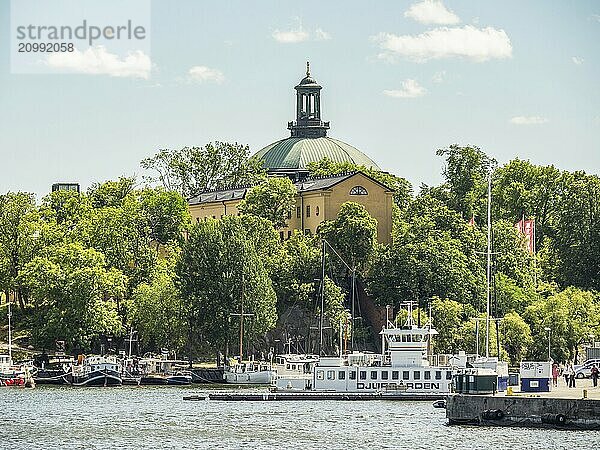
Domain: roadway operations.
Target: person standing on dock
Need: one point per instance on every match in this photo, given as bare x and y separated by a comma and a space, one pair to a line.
555, 375
565, 374
571, 376
595, 375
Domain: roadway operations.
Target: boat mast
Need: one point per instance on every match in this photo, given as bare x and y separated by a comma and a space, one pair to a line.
321, 317
9, 333
242, 315
242, 321
489, 258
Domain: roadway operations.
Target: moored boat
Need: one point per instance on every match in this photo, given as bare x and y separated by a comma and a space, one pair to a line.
96, 371
162, 371
249, 372
14, 374
402, 368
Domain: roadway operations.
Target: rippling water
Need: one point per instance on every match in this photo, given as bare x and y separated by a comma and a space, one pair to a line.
157, 418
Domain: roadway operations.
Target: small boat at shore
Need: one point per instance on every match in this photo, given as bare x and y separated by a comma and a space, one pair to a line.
165, 372
14, 374
96, 371
249, 372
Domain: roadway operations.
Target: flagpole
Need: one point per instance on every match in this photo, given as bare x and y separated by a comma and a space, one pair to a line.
534, 257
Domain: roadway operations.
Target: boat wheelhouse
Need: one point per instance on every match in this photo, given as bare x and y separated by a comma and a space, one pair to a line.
249, 372
294, 371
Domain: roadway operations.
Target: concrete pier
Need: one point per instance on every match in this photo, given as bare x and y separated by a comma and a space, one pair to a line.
562, 408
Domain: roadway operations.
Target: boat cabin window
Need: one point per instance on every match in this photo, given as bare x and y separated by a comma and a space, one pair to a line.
341, 375
287, 366
427, 375
448, 375
384, 375
395, 374
417, 375
416, 338
352, 375
363, 375
331, 375
405, 375
438, 374
320, 375
373, 374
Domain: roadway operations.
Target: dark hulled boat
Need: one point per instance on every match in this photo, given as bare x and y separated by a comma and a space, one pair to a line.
96, 371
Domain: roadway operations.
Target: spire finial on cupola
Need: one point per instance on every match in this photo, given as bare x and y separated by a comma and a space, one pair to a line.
307, 68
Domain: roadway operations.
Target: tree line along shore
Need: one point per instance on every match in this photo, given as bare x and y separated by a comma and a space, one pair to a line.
88, 268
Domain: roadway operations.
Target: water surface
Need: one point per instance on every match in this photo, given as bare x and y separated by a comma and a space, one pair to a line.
158, 418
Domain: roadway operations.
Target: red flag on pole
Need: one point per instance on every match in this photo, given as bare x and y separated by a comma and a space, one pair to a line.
527, 227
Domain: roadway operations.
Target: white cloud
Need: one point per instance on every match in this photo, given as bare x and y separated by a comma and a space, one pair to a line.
410, 89
432, 12
98, 61
438, 77
299, 34
321, 35
478, 44
528, 120
292, 36
203, 73
578, 60
595, 17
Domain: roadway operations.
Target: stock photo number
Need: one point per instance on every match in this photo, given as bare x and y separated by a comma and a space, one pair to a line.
45, 47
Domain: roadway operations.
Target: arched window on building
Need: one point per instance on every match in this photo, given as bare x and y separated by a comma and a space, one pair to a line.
358, 190
317, 211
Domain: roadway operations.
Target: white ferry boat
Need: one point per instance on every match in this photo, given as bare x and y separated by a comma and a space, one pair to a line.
403, 367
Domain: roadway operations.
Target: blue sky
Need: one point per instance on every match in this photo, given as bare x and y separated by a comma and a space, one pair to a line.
400, 79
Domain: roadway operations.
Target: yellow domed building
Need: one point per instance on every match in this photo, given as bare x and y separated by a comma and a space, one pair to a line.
319, 198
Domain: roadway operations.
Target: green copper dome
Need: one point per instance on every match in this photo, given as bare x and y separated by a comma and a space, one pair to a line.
308, 141
295, 153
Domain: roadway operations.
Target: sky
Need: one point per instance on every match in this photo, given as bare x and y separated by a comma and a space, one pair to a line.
400, 80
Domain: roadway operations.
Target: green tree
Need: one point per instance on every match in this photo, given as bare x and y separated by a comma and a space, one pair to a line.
577, 240
166, 215
158, 312
353, 234
20, 239
466, 173
447, 317
111, 193
122, 233
192, 170
220, 270
572, 315
74, 296
521, 188
272, 200
516, 337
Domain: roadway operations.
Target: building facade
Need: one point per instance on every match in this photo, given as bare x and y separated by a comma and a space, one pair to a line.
318, 198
